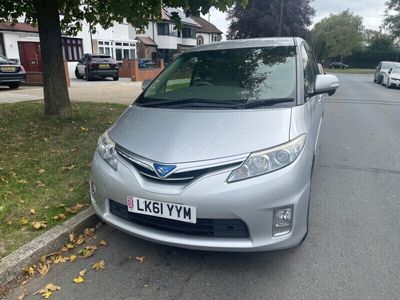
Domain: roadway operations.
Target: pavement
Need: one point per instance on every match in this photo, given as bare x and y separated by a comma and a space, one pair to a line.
102, 90
352, 247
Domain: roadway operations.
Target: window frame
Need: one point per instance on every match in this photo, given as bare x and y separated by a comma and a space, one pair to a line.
73, 44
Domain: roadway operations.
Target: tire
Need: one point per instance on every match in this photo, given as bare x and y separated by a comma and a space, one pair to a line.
87, 75
77, 75
115, 78
14, 85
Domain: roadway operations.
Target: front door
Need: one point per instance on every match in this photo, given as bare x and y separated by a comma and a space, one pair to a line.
29, 53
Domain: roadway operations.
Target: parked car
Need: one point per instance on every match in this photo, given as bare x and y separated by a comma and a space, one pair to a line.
382, 68
12, 74
392, 77
146, 63
338, 65
218, 151
100, 66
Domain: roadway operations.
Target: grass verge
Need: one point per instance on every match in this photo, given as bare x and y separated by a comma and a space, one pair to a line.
45, 165
351, 71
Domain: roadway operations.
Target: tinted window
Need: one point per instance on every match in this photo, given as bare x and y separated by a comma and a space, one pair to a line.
233, 74
101, 58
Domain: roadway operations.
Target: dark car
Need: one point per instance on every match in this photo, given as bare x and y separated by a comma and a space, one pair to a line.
338, 65
12, 73
382, 68
100, 66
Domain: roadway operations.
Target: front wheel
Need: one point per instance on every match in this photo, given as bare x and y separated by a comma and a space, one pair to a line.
14, 85
87, 75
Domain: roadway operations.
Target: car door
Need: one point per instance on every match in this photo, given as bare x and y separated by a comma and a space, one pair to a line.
314, 104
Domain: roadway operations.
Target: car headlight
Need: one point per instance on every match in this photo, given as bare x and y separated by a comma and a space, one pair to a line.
269, 160
106, 149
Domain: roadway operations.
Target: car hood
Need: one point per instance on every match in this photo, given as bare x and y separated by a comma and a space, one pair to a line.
182, 135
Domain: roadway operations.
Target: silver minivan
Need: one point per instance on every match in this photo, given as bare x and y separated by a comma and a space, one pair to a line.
218, 151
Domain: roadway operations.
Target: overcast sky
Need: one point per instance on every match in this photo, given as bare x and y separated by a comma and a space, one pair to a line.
371, 10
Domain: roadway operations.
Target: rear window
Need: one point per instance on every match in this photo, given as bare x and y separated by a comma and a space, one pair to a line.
243, 74
102, 58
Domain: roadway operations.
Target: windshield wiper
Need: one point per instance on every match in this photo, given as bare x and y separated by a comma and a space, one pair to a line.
191, 102
264, 102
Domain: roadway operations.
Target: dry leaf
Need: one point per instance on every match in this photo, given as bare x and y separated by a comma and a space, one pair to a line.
79, 279
39, 225
59, 259
30, 271
84, 129
87, 251
140, 258
52, 287
99, 265
88, 231
82, 273
23, 221
40, 184
69, 168
59, 217
43, 269
74, 209
71, 237
32, 211
80, 240
22, 296
103, 243
73, 258
24, 181
41, 171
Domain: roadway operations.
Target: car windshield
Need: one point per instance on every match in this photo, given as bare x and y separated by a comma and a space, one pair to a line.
396, 70
102, 58
388, 65
228, 76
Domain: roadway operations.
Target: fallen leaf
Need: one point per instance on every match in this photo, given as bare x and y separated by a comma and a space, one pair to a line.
73, 258
74, 209
140, 258
88, 231
84, 128
32, 211
41, 171
69, 168
23, 181
59, 217
43, 269
99, 265
22, 296
46, 295
30, 271
82, 273
39, 225
80, 240
103, 243
40, 184
79, 279
87, 251
23, 221
59, 259
71, 237
48, 288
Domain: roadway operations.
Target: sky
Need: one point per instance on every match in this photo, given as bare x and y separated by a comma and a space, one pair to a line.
372, 12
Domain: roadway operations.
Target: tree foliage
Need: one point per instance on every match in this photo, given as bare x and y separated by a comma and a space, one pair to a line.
392, 17
380, 42
75, 13
337, 35
269, 18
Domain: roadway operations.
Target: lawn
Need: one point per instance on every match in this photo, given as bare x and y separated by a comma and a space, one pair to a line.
45, 165
350, 71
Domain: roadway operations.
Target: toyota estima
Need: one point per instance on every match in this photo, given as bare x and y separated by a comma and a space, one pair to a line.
217, 152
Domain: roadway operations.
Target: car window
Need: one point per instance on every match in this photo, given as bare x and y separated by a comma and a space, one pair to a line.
101, 58
260, 73
310, 70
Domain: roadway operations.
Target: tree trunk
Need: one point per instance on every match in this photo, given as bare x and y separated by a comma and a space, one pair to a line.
56, 98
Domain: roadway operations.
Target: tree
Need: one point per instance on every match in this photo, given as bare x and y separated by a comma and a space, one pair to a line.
269, 18
380, 42
337, 35
46, 14
392, 17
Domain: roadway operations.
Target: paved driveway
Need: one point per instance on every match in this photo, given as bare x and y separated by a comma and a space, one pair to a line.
121, 91
351, 251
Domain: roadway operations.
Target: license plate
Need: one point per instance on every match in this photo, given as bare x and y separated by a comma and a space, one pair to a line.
104, 66
166, 210
8, 69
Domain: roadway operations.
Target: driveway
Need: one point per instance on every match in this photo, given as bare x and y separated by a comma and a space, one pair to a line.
351, 251
121, 91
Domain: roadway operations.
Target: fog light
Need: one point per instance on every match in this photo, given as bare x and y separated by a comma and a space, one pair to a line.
93, 190
283, 220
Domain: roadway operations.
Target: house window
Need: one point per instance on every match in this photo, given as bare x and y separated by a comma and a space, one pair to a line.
188, 33
117, 49
2, 49
72, 48
200, 40
163, 28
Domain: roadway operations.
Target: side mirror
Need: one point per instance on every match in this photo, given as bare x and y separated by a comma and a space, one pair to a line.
146, 83
326, 83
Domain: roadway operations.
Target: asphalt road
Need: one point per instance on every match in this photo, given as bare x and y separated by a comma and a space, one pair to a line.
352, 249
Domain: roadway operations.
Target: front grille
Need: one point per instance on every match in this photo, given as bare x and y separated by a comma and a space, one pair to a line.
219, 228
175, 178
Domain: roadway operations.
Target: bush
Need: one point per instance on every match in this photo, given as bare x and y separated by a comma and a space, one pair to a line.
367, 58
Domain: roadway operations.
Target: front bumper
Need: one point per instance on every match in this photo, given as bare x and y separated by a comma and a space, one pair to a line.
394, 83
252, 201
12, 77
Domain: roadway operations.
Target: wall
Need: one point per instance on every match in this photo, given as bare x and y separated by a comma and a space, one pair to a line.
11, 39
144, 74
